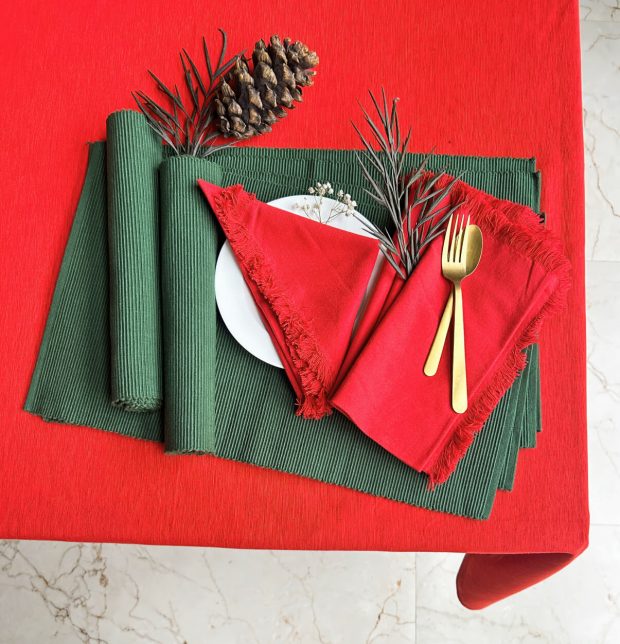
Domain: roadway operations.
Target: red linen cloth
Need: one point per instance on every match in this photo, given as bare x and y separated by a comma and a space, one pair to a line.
504, 80
308, 280
522, 277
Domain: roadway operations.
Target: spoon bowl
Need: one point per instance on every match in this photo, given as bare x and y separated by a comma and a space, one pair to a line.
474, 249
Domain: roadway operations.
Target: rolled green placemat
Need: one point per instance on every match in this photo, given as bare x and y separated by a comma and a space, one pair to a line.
188, 254
133, 155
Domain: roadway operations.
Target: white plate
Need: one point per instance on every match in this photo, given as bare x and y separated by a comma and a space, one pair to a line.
234, 300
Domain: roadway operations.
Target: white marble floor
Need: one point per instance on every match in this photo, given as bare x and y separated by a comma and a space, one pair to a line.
71, 593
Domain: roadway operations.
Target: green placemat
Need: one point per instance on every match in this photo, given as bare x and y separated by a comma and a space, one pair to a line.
523, 420
505, 480
532, 424
254, 419
188, 254
133, 158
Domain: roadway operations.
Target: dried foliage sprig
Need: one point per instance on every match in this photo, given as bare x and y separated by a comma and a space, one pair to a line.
419, 215
188, 124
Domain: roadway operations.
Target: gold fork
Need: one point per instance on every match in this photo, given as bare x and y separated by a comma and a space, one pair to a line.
454, 269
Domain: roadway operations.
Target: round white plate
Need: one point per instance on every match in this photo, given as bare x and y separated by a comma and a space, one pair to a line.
234, 300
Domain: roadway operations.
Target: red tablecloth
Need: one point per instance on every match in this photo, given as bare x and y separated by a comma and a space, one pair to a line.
480, 78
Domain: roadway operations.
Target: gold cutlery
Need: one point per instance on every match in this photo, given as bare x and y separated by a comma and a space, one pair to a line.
461, 253
472, 259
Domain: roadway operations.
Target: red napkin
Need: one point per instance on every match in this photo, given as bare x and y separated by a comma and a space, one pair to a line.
522, 277
308, 280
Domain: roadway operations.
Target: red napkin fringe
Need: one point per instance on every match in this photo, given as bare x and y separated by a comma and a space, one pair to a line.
515, 224
302, 345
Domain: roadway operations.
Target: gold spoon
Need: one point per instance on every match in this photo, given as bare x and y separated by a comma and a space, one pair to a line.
472, 259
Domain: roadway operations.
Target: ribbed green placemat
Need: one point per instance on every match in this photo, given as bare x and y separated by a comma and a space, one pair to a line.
526, 404
528, 437
254, 419
188, 253
133, 158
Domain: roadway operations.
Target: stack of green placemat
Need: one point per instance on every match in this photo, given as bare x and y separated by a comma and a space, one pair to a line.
133, 323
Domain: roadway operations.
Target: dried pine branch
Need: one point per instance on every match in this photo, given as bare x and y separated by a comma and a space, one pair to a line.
188, 125
418, 214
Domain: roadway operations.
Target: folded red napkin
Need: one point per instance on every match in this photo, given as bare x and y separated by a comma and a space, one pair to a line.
522, 277
308, 280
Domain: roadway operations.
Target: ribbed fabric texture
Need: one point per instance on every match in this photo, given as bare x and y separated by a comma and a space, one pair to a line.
254, 416
527, 388
188, 254
71, 380
133, 157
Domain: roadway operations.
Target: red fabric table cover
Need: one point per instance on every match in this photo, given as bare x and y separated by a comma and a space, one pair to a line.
480, 78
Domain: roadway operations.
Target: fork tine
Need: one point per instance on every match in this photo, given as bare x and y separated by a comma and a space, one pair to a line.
461, 245
455, 239
462, 239
452, 239
465, 239
446, 242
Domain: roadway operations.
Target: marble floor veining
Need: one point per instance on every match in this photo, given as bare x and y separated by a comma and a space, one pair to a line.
121, 594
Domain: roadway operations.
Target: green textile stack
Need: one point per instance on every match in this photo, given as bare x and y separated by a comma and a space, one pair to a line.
218, 398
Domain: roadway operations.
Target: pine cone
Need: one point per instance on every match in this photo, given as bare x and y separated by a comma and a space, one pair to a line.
250, 102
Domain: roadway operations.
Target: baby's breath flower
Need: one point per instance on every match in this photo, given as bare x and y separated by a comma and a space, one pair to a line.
344, 204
